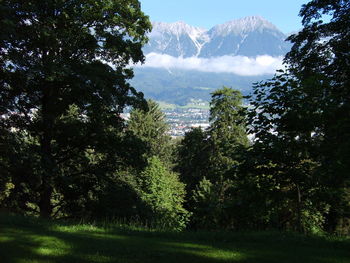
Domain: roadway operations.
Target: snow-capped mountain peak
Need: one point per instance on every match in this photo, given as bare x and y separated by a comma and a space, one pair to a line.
243, 26
176, 28
249, 36
176, 39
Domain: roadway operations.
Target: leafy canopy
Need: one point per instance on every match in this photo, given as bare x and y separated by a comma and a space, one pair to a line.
63, 84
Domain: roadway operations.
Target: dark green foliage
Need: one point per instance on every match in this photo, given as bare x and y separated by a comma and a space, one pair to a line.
118, 199
6, 184
61, 101
321, 52
301, 123
214, 152
285, 150
159, 190
211, 205
209, 160
227, 132
193, 158
150, 127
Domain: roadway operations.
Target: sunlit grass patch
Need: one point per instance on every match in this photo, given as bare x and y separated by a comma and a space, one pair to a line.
208, 251
51, 246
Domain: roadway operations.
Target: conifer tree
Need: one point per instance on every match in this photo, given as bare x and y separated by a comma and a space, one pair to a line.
149, 125
227, 131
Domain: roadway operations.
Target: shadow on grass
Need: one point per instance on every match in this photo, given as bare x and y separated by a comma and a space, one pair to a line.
66, 243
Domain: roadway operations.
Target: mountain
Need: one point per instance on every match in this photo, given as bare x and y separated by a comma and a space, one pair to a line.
175, 39
249, 36
255, 40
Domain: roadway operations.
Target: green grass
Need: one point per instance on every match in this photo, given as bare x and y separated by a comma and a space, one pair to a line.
32, 240
166, 106
195, 106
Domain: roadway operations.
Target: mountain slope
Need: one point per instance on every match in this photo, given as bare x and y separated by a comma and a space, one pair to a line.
180, 86
250, 36
175, 39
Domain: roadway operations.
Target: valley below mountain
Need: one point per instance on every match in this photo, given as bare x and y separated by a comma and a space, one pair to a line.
179, 87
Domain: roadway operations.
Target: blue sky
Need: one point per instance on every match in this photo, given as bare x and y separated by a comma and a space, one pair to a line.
207, 13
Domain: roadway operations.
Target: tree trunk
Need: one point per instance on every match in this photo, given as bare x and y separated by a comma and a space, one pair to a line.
300, 225
46, 188
45, 201
47, 160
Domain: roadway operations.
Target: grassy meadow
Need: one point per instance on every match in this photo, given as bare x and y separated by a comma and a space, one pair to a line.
25, 240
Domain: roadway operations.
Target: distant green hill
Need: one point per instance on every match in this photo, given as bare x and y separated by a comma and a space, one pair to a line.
196, 105
179, 86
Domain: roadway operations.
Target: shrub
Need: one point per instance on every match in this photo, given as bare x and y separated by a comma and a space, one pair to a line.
163, 196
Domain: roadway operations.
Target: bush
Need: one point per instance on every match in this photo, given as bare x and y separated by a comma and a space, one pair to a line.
211, 202
5, 189
163, 196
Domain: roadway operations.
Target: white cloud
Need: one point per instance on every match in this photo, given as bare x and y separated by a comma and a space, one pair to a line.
240, 65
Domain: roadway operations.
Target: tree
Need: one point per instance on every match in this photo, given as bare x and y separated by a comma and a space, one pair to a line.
163, 194
211, 205
228, 142
6, 184
208, 161
5, 178
150, 127
192, 163
216, 152
286, 148
321, 52
59, 91
300, 118
227, 131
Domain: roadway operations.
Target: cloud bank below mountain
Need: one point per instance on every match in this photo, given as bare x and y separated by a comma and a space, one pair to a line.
239, 65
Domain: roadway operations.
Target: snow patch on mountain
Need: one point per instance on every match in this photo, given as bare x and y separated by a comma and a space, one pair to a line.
177, 28
242, 26
179, 39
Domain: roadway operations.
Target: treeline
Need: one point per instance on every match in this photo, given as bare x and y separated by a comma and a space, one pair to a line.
66, 152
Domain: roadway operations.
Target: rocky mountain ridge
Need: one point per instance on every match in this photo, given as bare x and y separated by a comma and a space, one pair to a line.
249, 36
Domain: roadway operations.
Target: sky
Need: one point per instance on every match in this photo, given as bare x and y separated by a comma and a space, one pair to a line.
207, 13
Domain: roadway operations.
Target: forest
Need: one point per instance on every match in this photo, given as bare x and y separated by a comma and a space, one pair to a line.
276, 159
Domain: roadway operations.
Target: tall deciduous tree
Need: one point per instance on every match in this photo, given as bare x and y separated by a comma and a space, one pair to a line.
301, 117
59, 90
285, 149
321, 51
